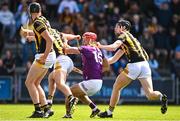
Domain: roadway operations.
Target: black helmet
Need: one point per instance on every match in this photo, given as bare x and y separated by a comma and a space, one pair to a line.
34, 7
125, 23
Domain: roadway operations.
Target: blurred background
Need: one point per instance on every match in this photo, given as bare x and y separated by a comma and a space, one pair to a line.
155, 23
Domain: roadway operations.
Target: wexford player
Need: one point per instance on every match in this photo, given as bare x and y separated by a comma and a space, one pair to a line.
92, 59
137, 68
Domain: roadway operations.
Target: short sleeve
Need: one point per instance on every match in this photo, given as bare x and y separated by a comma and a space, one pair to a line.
39, 26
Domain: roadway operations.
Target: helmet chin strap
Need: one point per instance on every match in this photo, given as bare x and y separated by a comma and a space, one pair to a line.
92, 43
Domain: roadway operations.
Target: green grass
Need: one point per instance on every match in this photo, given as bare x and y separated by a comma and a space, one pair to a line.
82, 112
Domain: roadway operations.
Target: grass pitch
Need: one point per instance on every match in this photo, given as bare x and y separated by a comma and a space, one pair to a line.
82, 112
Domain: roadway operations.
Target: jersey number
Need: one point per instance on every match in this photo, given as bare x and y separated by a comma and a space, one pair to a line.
98, 57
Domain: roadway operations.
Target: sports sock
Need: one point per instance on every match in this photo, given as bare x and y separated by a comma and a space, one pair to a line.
92, 106
110, 110
45, 108
70, 97
160, 98
50, 99
37, 107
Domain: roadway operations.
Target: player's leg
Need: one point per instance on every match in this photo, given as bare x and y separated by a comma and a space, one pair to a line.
63, 67
45, 107
146, 82
60, 79
121, 81
153, 95
86, 100
85, 89
76, 93
148, 89
42, 97
82, 95
32, 89
51, 88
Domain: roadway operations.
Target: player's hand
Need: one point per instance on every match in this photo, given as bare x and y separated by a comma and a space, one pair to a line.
42, 60
30, 38
23, 32
77, 70
22, 29
99, 45
77, 37
65, 44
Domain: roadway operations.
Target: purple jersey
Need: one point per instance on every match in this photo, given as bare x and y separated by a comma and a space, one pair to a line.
92, 59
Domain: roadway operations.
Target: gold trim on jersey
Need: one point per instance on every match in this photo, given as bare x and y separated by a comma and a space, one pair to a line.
125, 73
58, 40
37, 34
38, 40
57, 66
125, 70
125, 49
58, 43
39, 27
147, 57
132, 48
137, 45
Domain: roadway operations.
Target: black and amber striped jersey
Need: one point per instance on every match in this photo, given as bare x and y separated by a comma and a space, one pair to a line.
41, 24
132, 48
58, 42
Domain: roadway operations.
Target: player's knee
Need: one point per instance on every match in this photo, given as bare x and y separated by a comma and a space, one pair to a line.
75, 90
50, 77
60, 83
37, 84
28, 83
150, 96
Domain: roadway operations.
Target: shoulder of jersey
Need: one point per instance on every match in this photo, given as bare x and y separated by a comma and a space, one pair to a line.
122, 35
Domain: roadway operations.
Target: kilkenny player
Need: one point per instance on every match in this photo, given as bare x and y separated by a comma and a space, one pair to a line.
62, 67
137, 67
44, 59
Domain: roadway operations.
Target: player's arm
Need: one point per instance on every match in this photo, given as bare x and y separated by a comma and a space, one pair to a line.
49, 42
116, 56
40, 28
71, 36
26, 32
72, 50
77, 70
111, 47
105, 65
